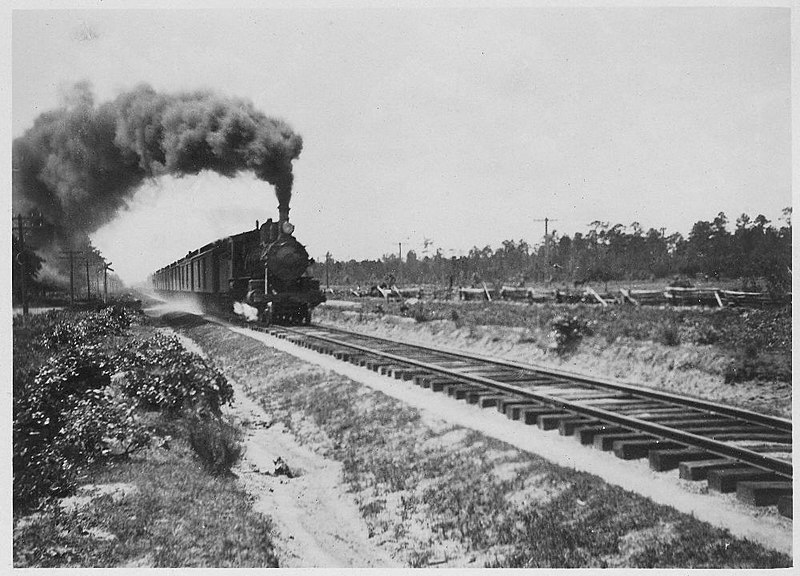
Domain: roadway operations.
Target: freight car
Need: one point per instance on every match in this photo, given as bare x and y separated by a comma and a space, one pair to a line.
260, 274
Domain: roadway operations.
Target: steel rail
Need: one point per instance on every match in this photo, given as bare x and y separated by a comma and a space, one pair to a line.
756, 459
775, 422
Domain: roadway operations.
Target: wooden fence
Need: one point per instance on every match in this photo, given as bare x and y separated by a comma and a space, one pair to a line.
668, 296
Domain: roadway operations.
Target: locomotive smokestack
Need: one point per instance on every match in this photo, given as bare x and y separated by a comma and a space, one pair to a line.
283, 213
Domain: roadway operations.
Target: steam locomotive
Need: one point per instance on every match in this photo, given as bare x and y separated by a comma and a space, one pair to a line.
260, 274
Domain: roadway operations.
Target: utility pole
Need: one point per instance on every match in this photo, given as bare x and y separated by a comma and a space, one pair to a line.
400, 265
70, 254
24, 223
106, 268
88, 286
546, 240
327, 276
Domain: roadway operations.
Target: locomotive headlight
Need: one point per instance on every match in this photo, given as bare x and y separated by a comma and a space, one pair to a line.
287, 228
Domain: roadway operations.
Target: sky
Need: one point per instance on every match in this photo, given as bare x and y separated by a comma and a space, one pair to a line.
464, 126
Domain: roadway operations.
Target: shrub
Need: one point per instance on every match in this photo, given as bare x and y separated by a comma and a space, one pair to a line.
64, 420
163, 375
668, 334
420, 314
216, 442
456, 318
67, 329
705, 335
567, 332
99, 426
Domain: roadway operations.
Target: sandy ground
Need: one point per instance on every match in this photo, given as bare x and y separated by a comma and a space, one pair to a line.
318, 524
763, 526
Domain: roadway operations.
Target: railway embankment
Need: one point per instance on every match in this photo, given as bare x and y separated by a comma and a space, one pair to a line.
432, 491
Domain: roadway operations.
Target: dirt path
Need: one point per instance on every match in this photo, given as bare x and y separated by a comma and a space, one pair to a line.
318, 523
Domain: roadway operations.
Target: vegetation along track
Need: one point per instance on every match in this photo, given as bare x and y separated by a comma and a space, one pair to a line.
733, 450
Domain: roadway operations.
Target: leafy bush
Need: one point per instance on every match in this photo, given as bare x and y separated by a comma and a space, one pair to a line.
67, 329
100, 425
64, 420
216, 442
163, 375
567, 332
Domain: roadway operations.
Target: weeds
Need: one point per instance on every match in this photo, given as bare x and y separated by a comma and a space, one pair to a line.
455, 317
217, 442
668, 334
567, 332
754, 365
420, 314
703, 334
728, 328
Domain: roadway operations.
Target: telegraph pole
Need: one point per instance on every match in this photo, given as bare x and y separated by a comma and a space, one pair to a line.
25, 223
400, 265
106, 268
88, 286
70, 254
327, 276
546, 240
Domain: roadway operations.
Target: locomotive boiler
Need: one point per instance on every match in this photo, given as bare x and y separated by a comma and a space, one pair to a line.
261, 274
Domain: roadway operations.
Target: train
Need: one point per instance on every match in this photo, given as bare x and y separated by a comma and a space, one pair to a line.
261, 274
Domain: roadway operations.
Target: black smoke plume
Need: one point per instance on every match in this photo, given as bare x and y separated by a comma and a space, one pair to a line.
79, 164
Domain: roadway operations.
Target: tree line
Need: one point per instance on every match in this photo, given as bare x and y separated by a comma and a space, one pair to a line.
754, 250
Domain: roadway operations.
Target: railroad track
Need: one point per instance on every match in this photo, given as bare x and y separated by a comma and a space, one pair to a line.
732, 450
